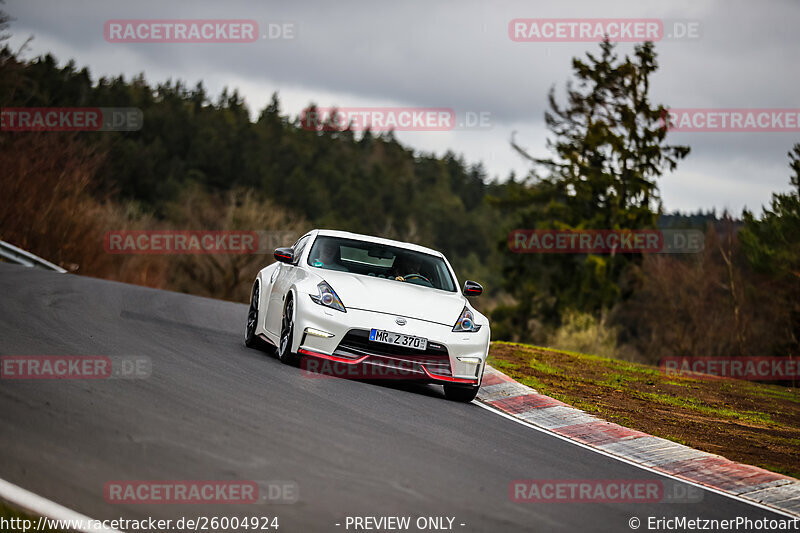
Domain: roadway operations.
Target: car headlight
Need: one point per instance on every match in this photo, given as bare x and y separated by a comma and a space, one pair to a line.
466, 322
328, 297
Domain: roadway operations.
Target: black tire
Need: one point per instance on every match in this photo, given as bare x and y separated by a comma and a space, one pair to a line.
287, 336
460, 394
251, 340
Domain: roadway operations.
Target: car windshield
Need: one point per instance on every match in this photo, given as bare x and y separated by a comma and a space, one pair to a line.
381, 261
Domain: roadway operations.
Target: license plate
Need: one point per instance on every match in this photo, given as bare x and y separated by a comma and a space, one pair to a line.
398, 339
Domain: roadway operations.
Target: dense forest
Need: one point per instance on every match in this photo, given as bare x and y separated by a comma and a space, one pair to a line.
201, 162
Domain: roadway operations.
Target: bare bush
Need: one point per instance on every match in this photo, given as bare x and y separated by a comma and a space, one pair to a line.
47, 206
581, 332
708, 304
227, 276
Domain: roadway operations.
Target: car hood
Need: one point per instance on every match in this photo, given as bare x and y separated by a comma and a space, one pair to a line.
395, 297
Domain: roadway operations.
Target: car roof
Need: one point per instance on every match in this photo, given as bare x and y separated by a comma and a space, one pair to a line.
378, 240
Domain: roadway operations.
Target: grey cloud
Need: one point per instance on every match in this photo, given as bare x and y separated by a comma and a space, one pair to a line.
458, 55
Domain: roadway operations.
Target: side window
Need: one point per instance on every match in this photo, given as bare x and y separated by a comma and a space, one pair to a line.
299, 246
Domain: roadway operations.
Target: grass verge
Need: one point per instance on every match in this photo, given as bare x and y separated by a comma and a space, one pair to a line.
753, 423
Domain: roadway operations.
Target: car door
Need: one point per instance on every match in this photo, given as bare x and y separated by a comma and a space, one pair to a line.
283, 277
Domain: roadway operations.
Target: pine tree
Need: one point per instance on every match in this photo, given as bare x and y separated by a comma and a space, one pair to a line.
609, 148
772, 246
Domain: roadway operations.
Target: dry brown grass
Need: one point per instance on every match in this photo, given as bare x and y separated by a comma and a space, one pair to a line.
50, 206
47, 206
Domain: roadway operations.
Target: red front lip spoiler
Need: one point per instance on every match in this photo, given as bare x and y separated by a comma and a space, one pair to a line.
436, 377
332, 357
449, 378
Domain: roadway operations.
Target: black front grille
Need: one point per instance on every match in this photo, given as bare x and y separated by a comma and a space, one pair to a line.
356, 343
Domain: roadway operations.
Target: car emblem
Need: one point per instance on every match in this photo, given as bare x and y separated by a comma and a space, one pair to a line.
400, 321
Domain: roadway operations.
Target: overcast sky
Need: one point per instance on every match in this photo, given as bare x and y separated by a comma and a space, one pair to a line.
459, 55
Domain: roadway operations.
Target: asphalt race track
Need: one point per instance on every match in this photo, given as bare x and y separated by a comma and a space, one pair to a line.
215, 410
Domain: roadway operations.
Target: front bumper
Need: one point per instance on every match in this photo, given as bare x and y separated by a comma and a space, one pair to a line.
443, 361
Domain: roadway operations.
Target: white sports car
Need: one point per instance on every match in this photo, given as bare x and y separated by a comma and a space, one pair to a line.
355, 301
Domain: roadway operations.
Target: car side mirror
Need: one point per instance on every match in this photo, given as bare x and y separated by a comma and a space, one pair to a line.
284, 255
472, 288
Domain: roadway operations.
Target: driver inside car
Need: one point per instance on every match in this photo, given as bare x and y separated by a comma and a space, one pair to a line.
328, 256
407, 265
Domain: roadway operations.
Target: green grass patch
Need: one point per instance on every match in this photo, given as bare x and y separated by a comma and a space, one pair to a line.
544, 368
696, 405
781, 470
773, 391
615, 381
676, 383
